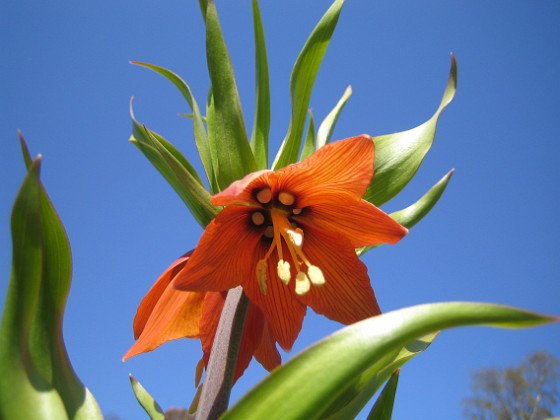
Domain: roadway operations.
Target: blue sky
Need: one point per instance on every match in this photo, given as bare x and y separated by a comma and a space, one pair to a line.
66, 83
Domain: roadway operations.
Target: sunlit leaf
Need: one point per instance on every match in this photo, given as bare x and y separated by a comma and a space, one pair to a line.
309, 144
324, 370
301, 83
383, 407
47, 348
231, 153
38, 380
355, 397
200, 136
261, 124
411, 215
176, 170
398, 156
147, 402
24, 392
327, 126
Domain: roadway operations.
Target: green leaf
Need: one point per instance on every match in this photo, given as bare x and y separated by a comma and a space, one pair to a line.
323, 371
200, 136
203, 6
147, 402
261, 124
231, 153
411, 215
47, 347
309, 144
176, 169
38, 380
327, 126
350, 402
383, 407
302, 80
398, 156
24, 392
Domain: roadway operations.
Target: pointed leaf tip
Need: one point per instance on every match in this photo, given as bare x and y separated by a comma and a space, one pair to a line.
145, 400
399, 155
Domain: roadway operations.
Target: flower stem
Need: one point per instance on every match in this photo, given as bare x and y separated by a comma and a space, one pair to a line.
217, 385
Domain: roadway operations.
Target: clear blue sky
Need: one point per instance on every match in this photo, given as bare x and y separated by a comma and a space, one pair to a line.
66, 83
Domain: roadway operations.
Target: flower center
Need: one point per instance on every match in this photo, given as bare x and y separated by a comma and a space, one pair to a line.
282, 232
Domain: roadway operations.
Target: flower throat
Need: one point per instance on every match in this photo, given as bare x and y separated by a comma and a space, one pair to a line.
279, 209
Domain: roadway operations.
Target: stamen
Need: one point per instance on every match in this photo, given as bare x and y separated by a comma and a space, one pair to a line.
286, 198
257, 218
284, 271
264, 196
302, 284
315, 275
296, 237
261, 275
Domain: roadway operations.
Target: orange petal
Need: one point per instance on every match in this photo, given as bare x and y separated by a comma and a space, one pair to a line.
176, 315
342, 167
238, 192
283, 312
346, 296
150, 300
359, 221
267, 353
224, 257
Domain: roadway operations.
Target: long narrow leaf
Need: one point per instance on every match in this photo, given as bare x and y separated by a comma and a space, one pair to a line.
398, 156
383, 408
150, 406
24, 392
356, 396
231, 152
325, 370
46, 341
309, 144
200, 136
411, 215
261, 124
327, 126
176, 170
302, 80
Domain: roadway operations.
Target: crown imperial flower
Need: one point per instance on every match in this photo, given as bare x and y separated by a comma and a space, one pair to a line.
289, 238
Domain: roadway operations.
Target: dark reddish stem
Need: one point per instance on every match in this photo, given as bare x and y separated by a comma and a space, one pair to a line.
218, 381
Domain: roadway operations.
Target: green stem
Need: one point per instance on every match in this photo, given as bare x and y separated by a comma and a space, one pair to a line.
216, 389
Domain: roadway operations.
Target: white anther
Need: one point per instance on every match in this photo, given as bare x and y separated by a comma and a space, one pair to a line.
283, 270
296, 237
315, 275
302, 284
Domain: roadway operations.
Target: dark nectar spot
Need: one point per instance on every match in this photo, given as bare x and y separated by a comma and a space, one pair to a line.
264, 196
286, 198
269, 232
257, 218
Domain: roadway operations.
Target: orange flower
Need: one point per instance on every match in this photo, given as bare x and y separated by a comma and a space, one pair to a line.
167, 314
289, 238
